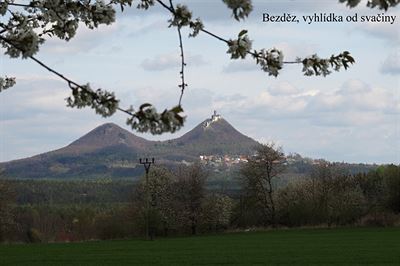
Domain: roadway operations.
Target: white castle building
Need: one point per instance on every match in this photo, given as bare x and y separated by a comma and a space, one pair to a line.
215, 117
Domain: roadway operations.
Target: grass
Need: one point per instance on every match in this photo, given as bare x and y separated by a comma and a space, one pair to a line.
371, 246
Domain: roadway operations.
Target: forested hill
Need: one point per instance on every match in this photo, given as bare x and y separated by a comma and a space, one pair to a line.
109, 151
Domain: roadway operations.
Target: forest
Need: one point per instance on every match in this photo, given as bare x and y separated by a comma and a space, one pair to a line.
185, 201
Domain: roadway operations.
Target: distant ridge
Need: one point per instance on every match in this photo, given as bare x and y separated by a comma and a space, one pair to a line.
111, 151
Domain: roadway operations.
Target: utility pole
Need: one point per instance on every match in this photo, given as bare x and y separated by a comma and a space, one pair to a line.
147, 163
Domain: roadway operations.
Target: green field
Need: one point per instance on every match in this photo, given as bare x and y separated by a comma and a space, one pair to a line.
361, 246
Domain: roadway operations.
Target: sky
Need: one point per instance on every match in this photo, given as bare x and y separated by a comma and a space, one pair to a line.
351, 116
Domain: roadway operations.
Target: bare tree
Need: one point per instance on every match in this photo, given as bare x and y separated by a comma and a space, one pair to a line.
6, 198
259, 176
177, 199
217, 212
162, 213
337, 197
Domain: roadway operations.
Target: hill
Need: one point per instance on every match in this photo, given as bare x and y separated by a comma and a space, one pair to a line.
109, 151
103, 137
215, 136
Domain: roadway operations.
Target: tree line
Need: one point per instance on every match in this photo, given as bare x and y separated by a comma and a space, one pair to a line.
181, 204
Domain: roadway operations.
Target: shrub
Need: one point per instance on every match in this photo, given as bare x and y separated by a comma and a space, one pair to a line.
34, 236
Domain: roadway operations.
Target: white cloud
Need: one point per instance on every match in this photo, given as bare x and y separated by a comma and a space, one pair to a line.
293, 50
354, 104
356, 122
277, 102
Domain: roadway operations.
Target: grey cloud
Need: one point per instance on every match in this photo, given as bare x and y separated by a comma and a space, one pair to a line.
216, 10
234, 97
32, 97
207, 10
35, 119
145, 28
240, 66
283, 88
85, 40
170, 61
195, 60
161, 62
391, 65
37, 134
385, 31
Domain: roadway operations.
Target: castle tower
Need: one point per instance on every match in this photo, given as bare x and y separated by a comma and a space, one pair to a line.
215, 116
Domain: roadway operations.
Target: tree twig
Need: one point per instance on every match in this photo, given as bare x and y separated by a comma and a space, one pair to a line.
183, 84
183, 64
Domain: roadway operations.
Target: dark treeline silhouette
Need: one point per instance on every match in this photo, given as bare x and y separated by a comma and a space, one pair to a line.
181, 203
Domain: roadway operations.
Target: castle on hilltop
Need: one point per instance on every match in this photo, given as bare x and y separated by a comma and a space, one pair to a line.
215, 117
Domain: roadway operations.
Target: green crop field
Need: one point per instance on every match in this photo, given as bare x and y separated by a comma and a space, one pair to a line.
378, 246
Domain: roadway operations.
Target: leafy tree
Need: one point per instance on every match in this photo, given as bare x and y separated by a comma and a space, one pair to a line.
25, 25
259, 176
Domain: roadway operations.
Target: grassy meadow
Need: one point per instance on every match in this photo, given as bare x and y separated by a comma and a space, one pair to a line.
359, 246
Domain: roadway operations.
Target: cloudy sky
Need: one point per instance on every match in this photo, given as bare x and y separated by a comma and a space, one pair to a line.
351, 115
